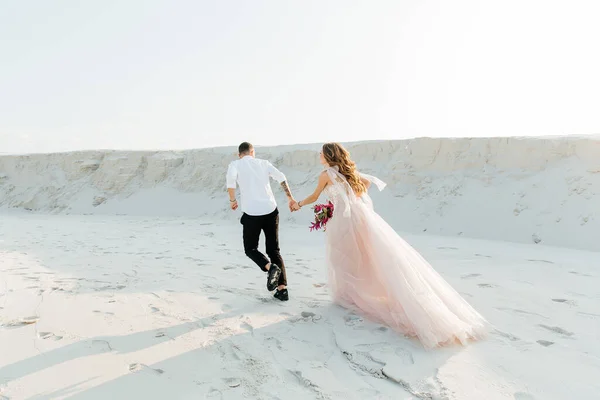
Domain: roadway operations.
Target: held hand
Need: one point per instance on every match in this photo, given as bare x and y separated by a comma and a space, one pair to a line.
296, 206
233, 205
293, 204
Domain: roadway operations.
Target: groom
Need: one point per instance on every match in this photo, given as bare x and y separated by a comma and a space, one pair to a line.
260, 213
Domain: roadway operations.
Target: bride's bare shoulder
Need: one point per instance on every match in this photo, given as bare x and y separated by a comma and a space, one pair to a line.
324, 178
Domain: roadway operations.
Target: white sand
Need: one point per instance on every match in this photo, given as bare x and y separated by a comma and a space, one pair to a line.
157, 306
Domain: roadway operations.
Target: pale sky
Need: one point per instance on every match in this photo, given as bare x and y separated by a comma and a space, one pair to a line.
157, 74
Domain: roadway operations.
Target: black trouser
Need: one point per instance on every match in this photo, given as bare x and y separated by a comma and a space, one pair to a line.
269, 224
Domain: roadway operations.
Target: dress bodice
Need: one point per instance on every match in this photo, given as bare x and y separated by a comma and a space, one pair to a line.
341, 194
335, 193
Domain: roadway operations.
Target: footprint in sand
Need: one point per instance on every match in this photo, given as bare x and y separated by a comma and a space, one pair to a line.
557, 329
447, 248
313, 304
276, 341
49, 335
247, 327
305, 316
232, 382
569, 302
482, 255
541, 261
469, 276
545, 343
141, 367
486, 285
580, 274
98, 346
22, 322
505, 335
352, 320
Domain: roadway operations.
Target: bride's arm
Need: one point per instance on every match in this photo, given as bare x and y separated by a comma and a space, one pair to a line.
323, 181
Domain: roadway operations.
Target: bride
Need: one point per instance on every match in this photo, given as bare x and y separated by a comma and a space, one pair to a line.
375, 272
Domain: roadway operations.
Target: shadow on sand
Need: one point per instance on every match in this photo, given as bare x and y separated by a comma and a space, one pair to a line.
301, 357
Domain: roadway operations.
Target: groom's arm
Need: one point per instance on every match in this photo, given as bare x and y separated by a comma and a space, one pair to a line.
231, 185
280, 177
231, 192
291, 201
286, 189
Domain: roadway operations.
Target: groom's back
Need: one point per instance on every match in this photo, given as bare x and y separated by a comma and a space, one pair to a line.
252, 176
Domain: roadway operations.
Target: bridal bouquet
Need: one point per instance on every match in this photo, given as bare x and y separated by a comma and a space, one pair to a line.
323, 212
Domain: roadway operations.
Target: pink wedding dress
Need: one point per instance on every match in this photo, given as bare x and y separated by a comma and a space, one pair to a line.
375, 272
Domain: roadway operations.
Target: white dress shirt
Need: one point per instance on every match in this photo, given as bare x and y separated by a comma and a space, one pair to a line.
252, 176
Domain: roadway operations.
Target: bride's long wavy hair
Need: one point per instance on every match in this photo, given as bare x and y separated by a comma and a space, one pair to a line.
337, 156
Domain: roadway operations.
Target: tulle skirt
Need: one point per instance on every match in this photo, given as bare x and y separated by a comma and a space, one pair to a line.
377, 273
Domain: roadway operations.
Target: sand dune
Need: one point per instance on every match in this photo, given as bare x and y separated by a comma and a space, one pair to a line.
527, 190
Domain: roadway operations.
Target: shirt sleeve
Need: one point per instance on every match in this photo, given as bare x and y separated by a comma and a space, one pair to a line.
231, 176
275, 173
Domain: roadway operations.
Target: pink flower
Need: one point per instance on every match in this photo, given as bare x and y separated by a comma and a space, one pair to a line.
323, 213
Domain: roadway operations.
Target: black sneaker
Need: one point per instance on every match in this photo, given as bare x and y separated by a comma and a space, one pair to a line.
273, 277
282, 295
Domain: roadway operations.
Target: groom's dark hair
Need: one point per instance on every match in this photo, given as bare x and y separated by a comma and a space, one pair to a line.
245, 148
